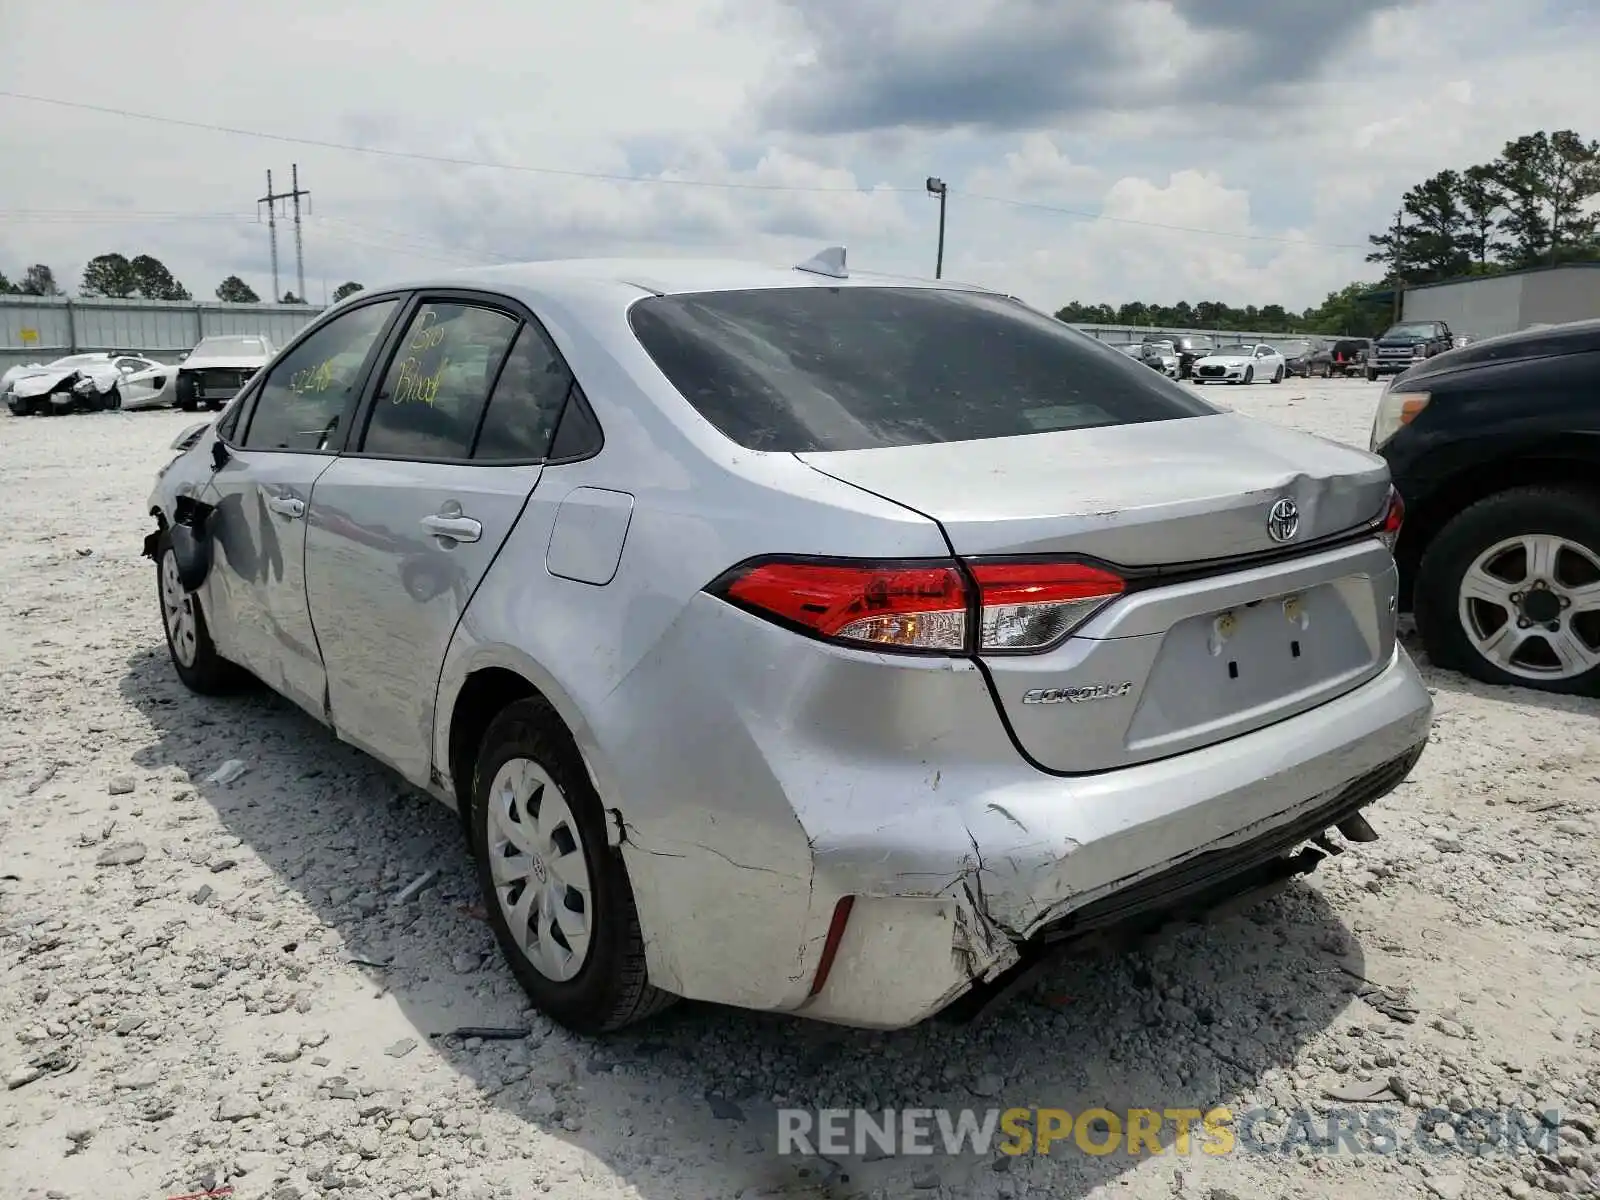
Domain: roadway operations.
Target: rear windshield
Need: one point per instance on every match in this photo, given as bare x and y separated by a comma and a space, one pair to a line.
855, 368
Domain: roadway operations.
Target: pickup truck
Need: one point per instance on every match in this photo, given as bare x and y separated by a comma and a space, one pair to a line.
1407, 343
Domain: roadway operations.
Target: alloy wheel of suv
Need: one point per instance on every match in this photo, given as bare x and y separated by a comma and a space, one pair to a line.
556, 894
1509, 591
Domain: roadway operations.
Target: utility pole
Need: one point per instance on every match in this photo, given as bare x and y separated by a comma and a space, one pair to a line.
271, 201
938, 187
299, 251
1394, 264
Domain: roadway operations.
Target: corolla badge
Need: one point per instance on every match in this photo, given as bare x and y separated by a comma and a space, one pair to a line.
1283, 520
1077, 695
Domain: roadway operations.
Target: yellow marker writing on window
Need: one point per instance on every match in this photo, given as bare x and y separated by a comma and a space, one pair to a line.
413, 387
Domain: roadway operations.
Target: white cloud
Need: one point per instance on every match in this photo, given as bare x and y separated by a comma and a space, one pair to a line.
672, 90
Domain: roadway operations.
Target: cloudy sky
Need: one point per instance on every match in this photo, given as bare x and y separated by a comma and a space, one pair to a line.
1133, 149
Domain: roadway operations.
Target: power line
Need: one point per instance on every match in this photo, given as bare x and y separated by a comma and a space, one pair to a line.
659, 180
445, 160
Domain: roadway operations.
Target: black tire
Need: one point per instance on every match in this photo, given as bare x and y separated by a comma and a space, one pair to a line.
112, 400
1570, 513
1372, 376
1249, 375
612, 988
209, 674
1277, 376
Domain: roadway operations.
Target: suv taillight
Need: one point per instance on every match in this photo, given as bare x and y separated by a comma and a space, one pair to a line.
924, 606
1387, 526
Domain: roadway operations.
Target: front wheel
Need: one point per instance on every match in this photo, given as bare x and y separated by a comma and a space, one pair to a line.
1372, 376
1509, 591
1249, 375
556, 893
194, 656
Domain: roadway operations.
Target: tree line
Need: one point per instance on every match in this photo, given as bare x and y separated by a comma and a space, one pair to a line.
1348, 311
1529, 207
118, 277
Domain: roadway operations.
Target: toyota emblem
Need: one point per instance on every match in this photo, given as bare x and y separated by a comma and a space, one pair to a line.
1283, 520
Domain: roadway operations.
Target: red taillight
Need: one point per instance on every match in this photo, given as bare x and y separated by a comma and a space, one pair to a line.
1030, 606
1394, 516
907, 606
923, 606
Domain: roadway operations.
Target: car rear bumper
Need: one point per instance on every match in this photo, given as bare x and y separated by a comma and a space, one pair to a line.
1056, 859
758, 779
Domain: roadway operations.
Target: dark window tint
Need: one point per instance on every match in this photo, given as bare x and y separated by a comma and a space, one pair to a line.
811, 368
311, 388
527, 401
578, 434
438, 382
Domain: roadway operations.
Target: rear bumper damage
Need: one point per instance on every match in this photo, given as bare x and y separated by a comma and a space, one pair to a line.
1076, 865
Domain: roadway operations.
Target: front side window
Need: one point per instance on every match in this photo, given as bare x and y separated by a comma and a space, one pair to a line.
436, 386
852, 368
311, 389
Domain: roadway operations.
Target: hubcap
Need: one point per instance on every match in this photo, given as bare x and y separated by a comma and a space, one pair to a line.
177, 610
540, 875
1531, 606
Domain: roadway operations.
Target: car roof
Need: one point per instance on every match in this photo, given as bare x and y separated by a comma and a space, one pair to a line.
662, 276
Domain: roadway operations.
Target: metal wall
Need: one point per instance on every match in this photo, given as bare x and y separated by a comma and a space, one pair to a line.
1479, 307
1566, 294
34, 329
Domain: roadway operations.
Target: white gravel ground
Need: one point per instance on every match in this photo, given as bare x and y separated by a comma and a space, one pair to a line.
179, 1009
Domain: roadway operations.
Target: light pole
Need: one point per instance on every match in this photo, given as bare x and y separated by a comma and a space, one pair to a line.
936, 187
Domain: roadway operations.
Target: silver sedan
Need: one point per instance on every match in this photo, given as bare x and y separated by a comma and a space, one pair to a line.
796, 639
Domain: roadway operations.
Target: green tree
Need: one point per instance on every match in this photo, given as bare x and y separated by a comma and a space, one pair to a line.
346, 289
109, 275
291, 298
39, 280
1548, 181
7, 288
234, 290
1482, 201
155, 282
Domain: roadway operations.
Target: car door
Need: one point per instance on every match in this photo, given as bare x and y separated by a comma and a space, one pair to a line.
143, 382
279, 439
405, 524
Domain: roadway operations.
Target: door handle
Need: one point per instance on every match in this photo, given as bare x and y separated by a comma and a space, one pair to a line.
457, 529
287, 506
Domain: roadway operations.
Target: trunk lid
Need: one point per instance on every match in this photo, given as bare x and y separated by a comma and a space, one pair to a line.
1157, 493
1169, 666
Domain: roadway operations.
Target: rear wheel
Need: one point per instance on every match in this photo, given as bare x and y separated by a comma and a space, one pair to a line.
194, 656
1277, 376
556, 893
1372, 376
1509, 591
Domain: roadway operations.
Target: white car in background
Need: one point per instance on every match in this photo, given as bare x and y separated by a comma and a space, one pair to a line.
218, 368
1241, 364
84, 382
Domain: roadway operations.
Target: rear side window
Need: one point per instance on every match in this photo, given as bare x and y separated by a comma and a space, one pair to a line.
818, 369
527, 402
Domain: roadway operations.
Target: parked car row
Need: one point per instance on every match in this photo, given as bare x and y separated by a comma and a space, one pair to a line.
206, 377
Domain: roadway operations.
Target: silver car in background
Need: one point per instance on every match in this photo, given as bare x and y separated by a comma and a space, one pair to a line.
793, 639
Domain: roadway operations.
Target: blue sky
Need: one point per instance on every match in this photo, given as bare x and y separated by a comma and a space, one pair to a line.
1282, 130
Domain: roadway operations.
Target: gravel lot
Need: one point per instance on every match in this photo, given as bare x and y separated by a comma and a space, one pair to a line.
179, 1008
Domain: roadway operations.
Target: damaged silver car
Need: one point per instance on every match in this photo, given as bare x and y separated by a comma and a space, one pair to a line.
799, 640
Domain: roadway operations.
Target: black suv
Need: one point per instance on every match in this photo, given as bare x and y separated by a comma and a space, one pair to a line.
1495, 448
